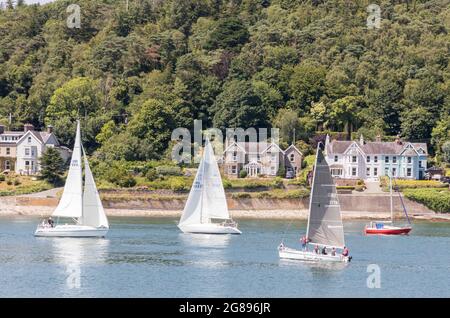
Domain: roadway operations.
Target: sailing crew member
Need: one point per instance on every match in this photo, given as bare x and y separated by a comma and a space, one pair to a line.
324, 250
345, 252
333, 252
50, 221
316, 249
303, 241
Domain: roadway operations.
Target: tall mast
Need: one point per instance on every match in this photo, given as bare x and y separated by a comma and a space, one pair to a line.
312, 190
392, 207
203, 181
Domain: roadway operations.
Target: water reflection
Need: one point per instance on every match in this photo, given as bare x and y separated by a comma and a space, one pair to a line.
74, 253
206, 250
315, 267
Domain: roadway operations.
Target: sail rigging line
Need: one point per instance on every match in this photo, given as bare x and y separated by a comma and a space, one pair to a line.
403, 204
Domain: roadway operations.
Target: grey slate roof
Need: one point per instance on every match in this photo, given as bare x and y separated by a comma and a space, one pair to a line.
376, 147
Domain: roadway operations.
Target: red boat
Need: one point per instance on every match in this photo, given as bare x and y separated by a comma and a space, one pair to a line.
382, 229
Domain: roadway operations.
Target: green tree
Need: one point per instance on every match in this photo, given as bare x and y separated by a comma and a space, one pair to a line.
230, 33
416, 124
52, 165
345, 112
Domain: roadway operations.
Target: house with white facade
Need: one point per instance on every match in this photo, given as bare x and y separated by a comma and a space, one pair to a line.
31, 145
371, 160
259, 158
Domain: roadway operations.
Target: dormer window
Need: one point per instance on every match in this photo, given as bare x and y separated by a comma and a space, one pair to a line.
292, 157
386, 159
353, 158
394, 159
409, 159
235, 156
336, 158
29, 139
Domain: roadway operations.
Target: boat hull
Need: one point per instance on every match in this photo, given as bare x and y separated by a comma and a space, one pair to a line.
210, 228
71, 231
388, 230
308, 256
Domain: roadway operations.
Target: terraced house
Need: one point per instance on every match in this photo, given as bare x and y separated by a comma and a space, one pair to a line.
371, 160
20, 151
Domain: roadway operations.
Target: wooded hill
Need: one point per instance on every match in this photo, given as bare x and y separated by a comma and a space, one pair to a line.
134, 75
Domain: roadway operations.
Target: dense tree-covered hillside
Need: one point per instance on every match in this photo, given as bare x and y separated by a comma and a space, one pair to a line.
133, 76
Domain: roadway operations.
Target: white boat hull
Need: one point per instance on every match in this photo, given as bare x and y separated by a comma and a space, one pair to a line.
209, 228
308, 256
71, 231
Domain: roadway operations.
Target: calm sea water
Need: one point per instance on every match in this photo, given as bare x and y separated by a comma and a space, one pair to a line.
151, 258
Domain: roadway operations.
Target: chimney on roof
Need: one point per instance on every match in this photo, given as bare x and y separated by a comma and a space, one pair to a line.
327, 141
378, 138
28, 127
2, 129
49, 129
398, 140
361, 140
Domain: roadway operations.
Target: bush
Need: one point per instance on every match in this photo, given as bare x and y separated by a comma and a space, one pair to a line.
360, 182
278, 183
177, 185
120, 176
227, 184
9, 182
410, 184
151, 174
16, 182
359, 188
2, 177
242, 173
435, 199
127, 181
169, 171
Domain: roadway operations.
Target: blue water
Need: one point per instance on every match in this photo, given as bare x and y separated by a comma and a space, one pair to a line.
151, 258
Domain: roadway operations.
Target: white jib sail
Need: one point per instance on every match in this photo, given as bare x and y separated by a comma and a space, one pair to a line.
70, 204
214, 200
324, 223
93, 212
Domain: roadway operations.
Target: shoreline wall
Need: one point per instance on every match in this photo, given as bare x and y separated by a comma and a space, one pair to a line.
353, 203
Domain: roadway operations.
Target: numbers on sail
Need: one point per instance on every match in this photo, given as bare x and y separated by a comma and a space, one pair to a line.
74, 163
333, 199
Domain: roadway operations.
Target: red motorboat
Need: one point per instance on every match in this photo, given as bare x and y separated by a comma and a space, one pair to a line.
388, 227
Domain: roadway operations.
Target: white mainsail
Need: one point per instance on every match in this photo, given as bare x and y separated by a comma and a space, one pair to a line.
93, 212
70, 204
207, 197
325, 226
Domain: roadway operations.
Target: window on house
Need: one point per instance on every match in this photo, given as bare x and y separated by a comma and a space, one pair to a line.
233, 169
8, 151
375, 171
274, 156
7, 165
336, 158
336, 172
354, 171
29, 139
292, 157
27, 164
235, 156
386, 159
375, 159
394, 172
272, 169
32, 152
409, 159
408, 172
386, 171
27, 151
353, 158
368, 172
394, 159
368, 158
420, 164
258, 157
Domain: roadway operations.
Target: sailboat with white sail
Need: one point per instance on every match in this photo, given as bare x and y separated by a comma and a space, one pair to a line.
325, 228
388, 227
83, 207
206, 209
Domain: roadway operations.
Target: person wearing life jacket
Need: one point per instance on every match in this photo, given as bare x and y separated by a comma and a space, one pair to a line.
303, 241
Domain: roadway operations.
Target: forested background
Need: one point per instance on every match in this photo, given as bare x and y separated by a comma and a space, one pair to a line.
133, 76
